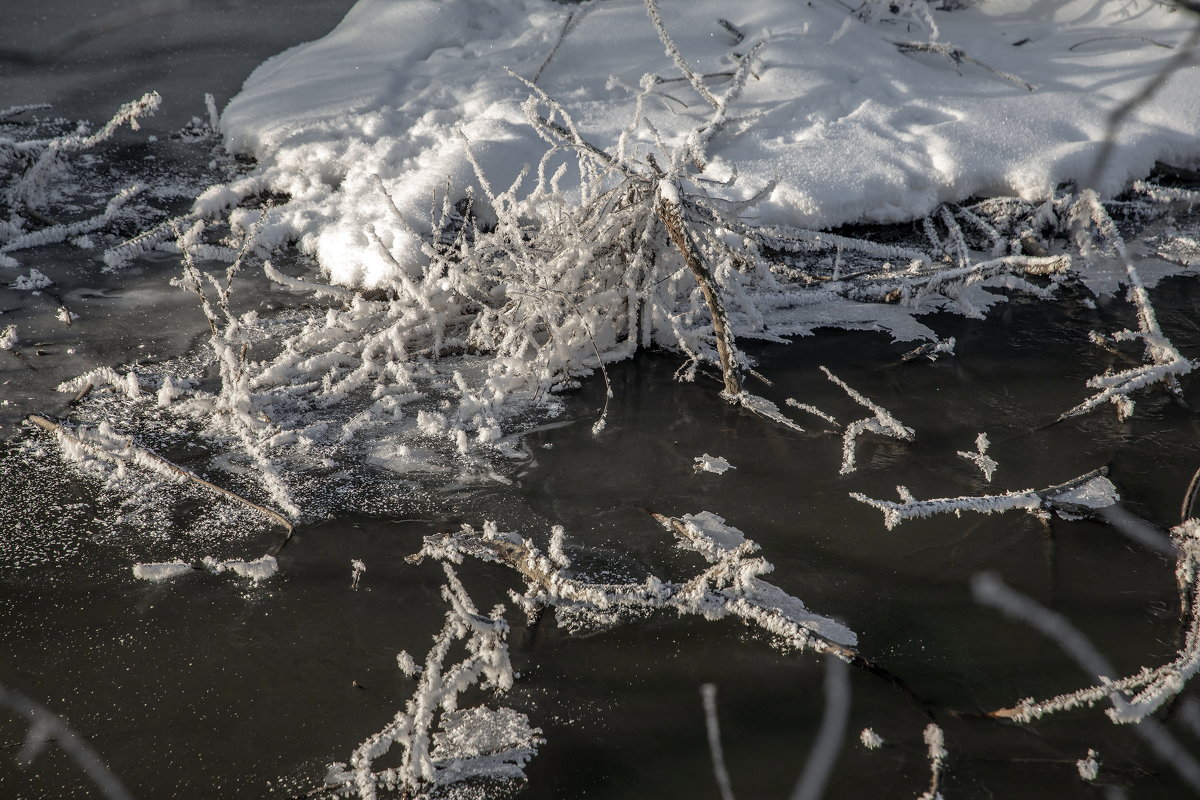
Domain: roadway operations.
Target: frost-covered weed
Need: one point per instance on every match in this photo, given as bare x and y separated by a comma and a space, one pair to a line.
987, 465
729, 587
440, 743
1095, 229
881, 422
1134, 697
1078, 497
41, 175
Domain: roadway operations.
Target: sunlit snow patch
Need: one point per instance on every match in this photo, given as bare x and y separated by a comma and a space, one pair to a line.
850, 124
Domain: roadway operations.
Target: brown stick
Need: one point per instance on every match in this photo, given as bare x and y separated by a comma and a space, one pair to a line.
1189, 498
83, 392
275, 516
668, 212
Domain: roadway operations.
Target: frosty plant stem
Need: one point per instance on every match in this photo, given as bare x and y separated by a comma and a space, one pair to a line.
1134, 697
442, 744
1078, 496
672, 220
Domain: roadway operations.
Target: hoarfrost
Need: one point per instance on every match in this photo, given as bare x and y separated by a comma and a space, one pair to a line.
440, 743
882, 422
987, 465
162, 571
1079, 496
870, 739
714, 464
1089, 766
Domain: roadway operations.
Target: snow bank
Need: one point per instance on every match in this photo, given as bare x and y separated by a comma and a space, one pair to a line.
851, 125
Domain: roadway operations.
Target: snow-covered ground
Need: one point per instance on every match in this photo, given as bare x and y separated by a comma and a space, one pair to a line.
841, 116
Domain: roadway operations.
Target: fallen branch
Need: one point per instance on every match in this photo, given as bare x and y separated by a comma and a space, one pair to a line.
159, 464
1134, 697
1079, 496
729, 587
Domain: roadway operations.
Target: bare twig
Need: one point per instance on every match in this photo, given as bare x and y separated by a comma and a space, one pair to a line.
957, 56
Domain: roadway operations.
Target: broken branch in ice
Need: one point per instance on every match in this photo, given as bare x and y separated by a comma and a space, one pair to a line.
1081, 496
121, 451
882, 422
442, 744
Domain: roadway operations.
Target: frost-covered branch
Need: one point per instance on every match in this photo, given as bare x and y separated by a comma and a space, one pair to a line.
730, 586
60, 233
1164, 362
1079, 496
882, 422
104, 443
31, 189
1135, 697
442, 744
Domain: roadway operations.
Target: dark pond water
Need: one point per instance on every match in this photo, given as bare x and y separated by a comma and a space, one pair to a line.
207, 687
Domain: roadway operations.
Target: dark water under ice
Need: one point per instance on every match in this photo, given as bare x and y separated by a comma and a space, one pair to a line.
207, 687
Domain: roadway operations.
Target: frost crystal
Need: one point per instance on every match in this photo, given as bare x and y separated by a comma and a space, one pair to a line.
987, 465
1089, 768
870, 739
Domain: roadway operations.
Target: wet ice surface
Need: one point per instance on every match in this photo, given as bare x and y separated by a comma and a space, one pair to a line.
192, 669
210, 685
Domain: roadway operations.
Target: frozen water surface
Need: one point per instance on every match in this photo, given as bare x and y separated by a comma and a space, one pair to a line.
203, 569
